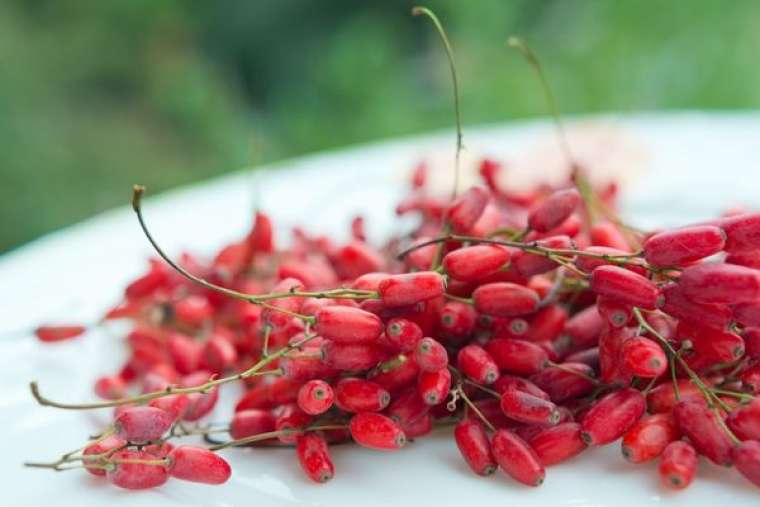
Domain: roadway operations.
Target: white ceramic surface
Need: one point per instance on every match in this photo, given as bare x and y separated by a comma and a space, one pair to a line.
698, 165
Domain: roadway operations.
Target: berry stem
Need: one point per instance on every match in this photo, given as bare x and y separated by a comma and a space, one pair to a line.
253, 371
274, 434
577, 373
474, 408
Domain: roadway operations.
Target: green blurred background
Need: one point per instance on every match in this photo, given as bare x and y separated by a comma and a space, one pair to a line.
96, 95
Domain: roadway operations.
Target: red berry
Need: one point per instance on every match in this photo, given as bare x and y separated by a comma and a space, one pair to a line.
410, 288
136, 475
407, 408
614, 313
607, 234
505, 299
546, 324
582, 329
720, 283
716, 316
678, 465
185, 352
219, 354
612, 416
529, 409
588, 263
314, 457
625, 287
261, 237
58, 333
403, 334
742, 232
507, 381
359, 395
746, 457
517, 356
516, 458
467, 208
315, 397
193, 310
745, 421
747, 314
662, 398
642, 357
401, 374
110, 387
346, 325
558, 443
530, 264
472, 441
477, 364
356, 259
431, 355
355, 357
197, 464
457, 319
433, 386
291, 418
174, 404
143, 424
751, 338
376, 431
475, 262
700, 424
649, 437
561, 384
712, 344
554, 210
101, 446
246, 423
201, 404
683, 246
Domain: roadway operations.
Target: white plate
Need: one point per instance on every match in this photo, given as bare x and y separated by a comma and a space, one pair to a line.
698, 165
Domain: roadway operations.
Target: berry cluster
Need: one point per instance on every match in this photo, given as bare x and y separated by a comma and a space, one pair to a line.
535, 322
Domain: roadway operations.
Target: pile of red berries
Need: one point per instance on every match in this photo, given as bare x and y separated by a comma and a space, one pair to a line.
537, 323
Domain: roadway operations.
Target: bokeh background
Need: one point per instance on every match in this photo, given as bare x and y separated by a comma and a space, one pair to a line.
96, 95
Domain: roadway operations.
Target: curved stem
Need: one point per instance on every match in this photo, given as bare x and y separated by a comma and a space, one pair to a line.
274, 434
424, 11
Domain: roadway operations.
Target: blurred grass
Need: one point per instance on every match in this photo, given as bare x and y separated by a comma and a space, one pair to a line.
95, 96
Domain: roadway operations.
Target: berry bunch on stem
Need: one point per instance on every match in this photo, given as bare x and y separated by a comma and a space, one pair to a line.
538, 323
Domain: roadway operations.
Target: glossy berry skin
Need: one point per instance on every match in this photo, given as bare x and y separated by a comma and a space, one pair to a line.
661, 399
507, 381
745, 421
746, 458
642, 357
517, 356
430, 355
516, 458
376, 431
477, 364
616, 314
174, 404
403, 334
562, 385
554, 210
475, 262
252, 421
314, 457
347, 325
467, 208
105, 445
712, 344
720, 283
434, 386
315, 397
505, 299
457, 320
197, 464
473, 445
546, 324
359, 395
683, 246
530, 264
58, 333
742, 232
136, 475
558, 443
649, 437
716, 316
143, 424
625, 287
410, 288
700, 424
612, 416
355, 357
678, 465
526, 408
